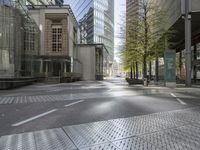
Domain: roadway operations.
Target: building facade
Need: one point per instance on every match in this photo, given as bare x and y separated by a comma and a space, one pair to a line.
96, 22
132, 8
173, 9
95, 61
29, 48
58, 55
18, 41
44, 2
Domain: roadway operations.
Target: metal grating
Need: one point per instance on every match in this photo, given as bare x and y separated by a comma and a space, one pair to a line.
106, 146
159, 139
189, 116
176, 139
163, 131
84, 136
109, 130
189, 135
23, 141
55, 139
134, 143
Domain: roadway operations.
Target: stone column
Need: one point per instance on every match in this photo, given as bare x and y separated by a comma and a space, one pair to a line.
46, 68
65, 67
41, 66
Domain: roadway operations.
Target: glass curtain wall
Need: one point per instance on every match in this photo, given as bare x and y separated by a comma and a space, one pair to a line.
104, 24
7, 29
96, 21
19, 42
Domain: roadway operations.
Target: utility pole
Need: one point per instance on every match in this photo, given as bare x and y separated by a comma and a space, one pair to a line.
186, 12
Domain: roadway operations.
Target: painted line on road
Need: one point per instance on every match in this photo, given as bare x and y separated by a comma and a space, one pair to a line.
74, 103
173, 95
178, 99
54, 90
33, 118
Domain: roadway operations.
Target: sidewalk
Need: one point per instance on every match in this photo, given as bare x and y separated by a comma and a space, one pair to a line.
177, 130
195, 89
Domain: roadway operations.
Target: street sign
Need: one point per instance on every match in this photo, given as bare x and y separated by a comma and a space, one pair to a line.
170, 66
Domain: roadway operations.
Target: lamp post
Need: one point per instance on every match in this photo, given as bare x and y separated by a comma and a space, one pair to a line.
186, 13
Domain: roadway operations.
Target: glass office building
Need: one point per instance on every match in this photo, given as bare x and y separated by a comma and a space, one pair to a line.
18, 40
96, 21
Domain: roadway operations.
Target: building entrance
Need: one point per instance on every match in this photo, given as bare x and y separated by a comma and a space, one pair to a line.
56, 68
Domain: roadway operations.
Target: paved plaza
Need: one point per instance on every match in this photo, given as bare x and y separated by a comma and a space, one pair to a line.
104, 115
172, 130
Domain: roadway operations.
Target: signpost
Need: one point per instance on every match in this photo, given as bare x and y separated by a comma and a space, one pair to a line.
170, 68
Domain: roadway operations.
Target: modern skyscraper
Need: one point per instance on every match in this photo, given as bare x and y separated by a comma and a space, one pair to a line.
96, 22
132, 7
44, 2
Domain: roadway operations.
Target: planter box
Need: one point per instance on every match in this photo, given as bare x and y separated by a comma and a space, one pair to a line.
134, 81
15, 82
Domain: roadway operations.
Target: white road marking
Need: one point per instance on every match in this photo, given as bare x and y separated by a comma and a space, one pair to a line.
73, 103
53, 90
178, 99
33, 118
172, 94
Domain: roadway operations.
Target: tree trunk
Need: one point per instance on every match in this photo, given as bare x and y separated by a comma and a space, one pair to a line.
134, 71
150, 71
144, 66
180, 64
136, 67
145, 46
131, 76
194, 66
156, 70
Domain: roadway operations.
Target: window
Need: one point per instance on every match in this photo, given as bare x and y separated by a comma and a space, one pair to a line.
56, 38
30, 39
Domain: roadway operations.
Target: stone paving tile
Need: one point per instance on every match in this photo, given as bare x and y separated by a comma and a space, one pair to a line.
133, 133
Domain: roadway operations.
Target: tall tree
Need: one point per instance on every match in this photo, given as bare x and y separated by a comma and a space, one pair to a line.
147, 35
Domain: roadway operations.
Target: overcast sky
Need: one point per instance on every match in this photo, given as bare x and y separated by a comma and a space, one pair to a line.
120, 9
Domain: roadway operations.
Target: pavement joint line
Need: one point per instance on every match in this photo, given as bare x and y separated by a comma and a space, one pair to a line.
74, 103
34, 118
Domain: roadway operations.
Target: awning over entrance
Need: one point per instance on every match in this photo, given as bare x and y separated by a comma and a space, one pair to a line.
179, 29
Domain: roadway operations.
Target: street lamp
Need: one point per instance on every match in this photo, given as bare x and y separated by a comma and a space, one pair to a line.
186, 14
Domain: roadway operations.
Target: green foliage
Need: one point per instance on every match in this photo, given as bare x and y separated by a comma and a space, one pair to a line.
147, 34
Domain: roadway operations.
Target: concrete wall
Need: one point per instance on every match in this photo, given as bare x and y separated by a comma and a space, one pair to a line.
195, 5
173, 8
87, 58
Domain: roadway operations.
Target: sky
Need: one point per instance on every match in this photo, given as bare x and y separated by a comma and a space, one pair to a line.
120, 10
